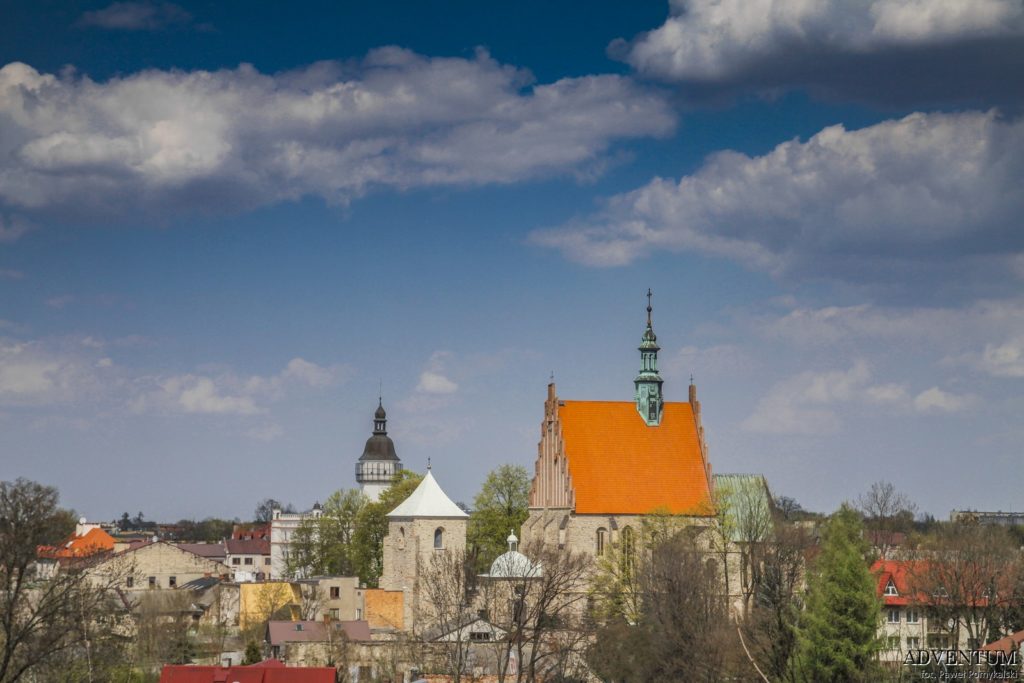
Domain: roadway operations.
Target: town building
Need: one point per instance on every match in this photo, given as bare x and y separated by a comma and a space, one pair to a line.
426, 523
249, 559
155, 565
603, 465
908, 623
379, 464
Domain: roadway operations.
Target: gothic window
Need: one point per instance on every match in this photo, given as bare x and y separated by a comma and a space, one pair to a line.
652, 409
438, 538
401, 537
599, 547
627, 551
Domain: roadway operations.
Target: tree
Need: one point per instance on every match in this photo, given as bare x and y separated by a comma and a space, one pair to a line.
966, 577
445, 604
788, 508
43, 623
371, 527
265, 510
542, 614
772, 624
253, 653
322, 545
681, 631
886, 512
838, 638
502, 504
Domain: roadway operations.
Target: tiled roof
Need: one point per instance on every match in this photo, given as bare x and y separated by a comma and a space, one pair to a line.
900, 572
280, 632
619, 465
270, 671
92, 542
1006, 644
248, 547
211, 551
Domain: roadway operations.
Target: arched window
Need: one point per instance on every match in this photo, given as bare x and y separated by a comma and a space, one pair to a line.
438, 538
627, 548
602, 534
401, 537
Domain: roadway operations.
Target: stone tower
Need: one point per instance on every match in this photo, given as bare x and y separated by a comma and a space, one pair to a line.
427, 523
650, 401
379, 464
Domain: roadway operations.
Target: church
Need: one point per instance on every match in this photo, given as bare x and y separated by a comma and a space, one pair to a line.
602, 465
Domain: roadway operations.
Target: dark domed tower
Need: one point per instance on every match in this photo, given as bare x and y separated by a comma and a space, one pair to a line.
379, 464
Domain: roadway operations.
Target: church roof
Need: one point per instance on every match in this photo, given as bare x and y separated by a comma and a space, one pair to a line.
428, 500
619, 465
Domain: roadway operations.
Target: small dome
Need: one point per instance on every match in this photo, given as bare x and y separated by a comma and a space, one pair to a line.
380, 413
514, 565
512, 540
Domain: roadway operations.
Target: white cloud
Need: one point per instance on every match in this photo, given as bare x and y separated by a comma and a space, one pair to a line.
1003, 360
228, 393
887, 200
238, 138
433, 379
136, 16
435, 383
801, 404
792, 42
936, 400
32, 374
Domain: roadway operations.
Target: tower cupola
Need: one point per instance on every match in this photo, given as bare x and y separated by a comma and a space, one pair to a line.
378, 466
649, 398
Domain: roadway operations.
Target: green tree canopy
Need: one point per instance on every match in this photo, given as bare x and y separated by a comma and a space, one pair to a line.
323, 545
838, 640
371, 526
501, 505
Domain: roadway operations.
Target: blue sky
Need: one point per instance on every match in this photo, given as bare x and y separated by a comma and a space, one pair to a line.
223, 225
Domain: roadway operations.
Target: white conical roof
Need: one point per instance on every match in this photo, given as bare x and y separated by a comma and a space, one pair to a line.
428, 500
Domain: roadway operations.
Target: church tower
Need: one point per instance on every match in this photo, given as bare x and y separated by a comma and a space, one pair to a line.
379, 464
649, 399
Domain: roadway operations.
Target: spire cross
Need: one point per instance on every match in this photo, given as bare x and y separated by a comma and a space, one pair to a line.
428, 463
649, 306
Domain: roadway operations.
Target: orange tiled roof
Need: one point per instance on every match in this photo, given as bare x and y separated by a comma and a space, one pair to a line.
619, 465
92, 542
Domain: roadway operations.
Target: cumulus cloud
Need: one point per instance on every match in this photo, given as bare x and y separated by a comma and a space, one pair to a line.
228, 393
33, 374
810, 402
1001, 359
936, 400
890, 50
887, 201
433, 380
239, 138
136, 16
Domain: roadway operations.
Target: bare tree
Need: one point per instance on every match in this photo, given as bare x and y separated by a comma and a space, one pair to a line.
540, 614
43, 621
445, 608
886, 513
771, 626
682, 631
963, 577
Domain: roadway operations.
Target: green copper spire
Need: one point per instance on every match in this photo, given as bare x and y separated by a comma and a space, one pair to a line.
649, 399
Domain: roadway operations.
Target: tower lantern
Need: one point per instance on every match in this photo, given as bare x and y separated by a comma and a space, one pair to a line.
649, 398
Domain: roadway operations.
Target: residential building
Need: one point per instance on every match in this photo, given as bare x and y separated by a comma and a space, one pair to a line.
283, 526
908, 623
89, 541
157, 564
250, 560
211, 551
299, 642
